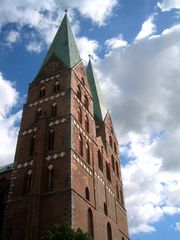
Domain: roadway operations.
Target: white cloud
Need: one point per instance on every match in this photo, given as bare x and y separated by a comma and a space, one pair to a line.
34, 47
116, 42
142, 91
177, 226
147, 29
12, 37
8, 128
167, 5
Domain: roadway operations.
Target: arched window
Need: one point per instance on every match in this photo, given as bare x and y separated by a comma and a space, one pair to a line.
109, 232
50, 175
42, 92
108, 172
56, 87
38, 113
51, 140
122, 238
87, 194
117, 190
79, 95
80, 145
105, 209
87, 153
122, 197
113, 164
86, 103
86, 124
100, 161
90, 223
117, 169
110, 141
54, 109
115, 148
27, 181
79, 115
32, 145
82, 80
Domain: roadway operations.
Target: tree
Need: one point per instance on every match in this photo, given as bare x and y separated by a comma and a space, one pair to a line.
65, 232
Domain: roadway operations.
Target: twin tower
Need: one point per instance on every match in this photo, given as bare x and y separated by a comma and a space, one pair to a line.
66, 165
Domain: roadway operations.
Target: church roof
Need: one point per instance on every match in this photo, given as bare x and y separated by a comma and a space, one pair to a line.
64, 45
6, 168
100, 109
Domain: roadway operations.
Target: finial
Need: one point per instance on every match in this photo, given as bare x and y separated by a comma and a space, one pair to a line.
66, 10
89, 56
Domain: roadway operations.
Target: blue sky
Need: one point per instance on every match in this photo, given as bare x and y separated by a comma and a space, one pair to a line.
135, 47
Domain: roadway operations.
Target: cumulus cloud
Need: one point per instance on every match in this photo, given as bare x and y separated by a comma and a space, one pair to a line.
142, 92
8, 120
116, 42
167, 5
147, 29
12, 37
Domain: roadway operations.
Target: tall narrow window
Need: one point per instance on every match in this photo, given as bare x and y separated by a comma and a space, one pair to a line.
79, 95
105, 209
80, 115
108, 172
117, 191
100, 161
109, 232
86, 124
38, 113
115, 148
82, 80
113, 164
86, 103
117, 169
87, 194
87, 153
110, 141
90, 223
80, 145
122, 197
42, 92
32, 145
54, 109
50, 174
56, 87
27, 181
51, 140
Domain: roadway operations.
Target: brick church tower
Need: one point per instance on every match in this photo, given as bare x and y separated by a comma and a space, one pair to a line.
66, 165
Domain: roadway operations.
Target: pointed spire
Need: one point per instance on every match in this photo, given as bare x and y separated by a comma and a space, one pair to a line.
100, 109
64, 45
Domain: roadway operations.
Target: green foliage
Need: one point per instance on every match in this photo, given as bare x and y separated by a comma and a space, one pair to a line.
65, 232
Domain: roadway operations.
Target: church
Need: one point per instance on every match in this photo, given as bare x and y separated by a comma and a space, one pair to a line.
66, 166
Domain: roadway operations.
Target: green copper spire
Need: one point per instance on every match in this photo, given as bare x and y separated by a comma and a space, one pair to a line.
64, 45
100, 109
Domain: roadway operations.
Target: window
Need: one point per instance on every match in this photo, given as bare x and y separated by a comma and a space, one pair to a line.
86, 124
108, 172
117, 191
87, 153
42, 92
100, 161
110, 141
56, 87
109, 232
122, 238
80, 115
80, 145
90, 223
50, 174
105, 209
115, 148
51, 140
87, 194
117, 169
27, 181
54, 110
113, 164
32, 145
86, 103
122, 197
79, 95
82, 80
38, 113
